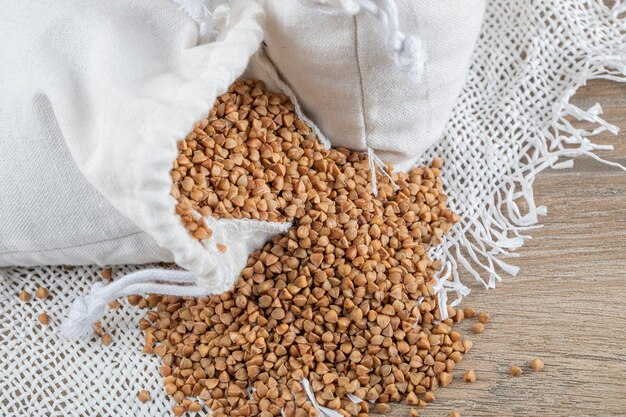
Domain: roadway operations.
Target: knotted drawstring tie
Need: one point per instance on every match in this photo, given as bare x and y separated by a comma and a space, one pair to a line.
87, 310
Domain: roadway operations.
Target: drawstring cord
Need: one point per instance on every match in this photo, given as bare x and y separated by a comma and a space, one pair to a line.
87, 310
242, 235
408, 52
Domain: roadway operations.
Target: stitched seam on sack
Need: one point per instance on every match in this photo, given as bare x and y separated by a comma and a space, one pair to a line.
362, 90
73, 246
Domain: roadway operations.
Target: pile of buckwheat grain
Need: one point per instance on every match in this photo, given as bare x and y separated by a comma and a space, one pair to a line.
340, 309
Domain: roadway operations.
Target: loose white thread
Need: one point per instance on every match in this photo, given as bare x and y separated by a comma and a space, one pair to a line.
407, 50
324, 412
373, 161
88, 309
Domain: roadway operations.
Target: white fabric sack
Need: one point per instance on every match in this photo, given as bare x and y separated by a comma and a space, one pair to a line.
93, 99
512, 121
337, 62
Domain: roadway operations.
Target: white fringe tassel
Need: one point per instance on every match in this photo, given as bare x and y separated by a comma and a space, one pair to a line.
487, 235
87, 310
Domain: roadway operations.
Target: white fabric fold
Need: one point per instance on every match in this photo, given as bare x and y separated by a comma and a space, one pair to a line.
100, 93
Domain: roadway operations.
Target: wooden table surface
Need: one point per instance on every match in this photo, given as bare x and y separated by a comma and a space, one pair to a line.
568, 303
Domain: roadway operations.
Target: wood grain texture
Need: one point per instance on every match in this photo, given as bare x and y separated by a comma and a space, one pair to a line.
568, 303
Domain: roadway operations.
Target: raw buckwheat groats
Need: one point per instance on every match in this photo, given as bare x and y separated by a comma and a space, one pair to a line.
340, 308
537, 364
253, 158
515, 370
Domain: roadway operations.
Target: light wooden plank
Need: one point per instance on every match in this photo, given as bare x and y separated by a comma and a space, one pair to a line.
567, 306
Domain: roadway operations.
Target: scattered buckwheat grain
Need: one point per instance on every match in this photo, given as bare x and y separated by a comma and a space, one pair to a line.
98, 330
194, 407
469, 376
106, 339
42, 293
44, 319
537, 364
483, 317
478, 327
24, 296
178, 410
134, 300
515, 370
144, 396
106, 274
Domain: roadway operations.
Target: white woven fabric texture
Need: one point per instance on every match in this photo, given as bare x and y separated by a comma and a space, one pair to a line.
346, 80
508, 124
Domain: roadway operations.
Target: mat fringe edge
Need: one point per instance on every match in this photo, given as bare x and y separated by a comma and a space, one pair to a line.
495, 232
